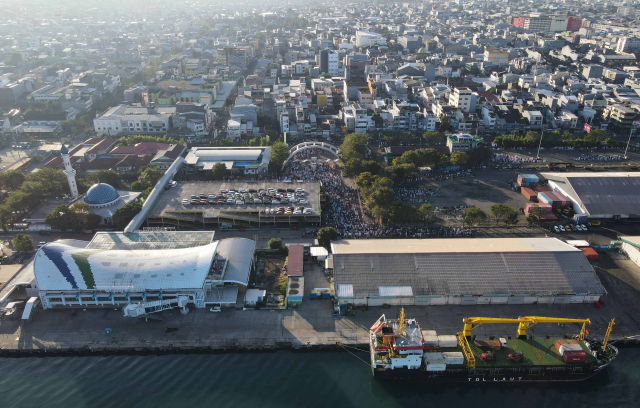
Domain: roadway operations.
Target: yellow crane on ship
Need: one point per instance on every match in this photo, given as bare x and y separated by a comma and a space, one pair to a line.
524, 323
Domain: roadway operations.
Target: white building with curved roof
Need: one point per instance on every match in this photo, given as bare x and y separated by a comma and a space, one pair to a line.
81, 275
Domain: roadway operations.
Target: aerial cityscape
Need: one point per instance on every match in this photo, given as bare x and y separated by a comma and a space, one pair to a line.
410, 186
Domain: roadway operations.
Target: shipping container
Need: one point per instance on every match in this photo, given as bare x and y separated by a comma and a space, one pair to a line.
436, 367
568, 348
430, 340
528, 207
453, 357
495, 344
448, 340
575, 357
429, 333
590, 253
540, 189
529, 194
560, 342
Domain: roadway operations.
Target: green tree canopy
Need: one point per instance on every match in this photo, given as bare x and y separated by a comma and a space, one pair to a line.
326, 235
459, 158
473, 216
275, 243
149, 176
6, 218
13, 179
218, 171
125, 214
279, 153
22, 243
354, 146
502, 213
104, 176
427, 213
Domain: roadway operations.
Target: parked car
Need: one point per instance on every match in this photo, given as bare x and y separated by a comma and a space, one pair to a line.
303, 202
561, 228
239, 202
221, 202
195, 202
299, 190
185, 201
224, 191
193, 196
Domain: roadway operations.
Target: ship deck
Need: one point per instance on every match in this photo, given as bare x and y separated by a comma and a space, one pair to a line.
536, 352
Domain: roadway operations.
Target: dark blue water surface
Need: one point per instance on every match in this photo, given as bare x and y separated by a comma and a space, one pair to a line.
280, 380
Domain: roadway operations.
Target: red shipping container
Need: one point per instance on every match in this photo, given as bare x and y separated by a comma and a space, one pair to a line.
574, 357
590, 253
529, 194
560, 342
541, 189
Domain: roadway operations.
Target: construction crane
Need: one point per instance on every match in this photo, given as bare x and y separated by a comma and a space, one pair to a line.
607, 334
227, 50
524, 323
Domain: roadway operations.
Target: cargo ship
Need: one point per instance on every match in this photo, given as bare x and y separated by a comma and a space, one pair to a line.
401, 350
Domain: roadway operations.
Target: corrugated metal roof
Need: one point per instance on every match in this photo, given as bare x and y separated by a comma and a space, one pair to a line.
239, 253
604, 193
395, 291
448, 245
345, 290
295, 263
471, 273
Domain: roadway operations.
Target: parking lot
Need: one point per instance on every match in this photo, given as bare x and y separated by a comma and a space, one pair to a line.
170, 205
9, 156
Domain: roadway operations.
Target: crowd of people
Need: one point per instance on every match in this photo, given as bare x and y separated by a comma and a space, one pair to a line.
509, 158
344, 212
599, 157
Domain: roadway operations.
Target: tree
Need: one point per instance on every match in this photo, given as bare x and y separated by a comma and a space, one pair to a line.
85, 218
595, 136
536, 213
20, 201
15, 58
365, 181
279, 153
146, 193
125, 214
459, 158
275, 243
427, 213
354, 146
473, 216
149, 176
326, 235
218, 171
105, 176
13, 179
6, 218
355, 166
48, 182
504, 213
22, 243
60, 218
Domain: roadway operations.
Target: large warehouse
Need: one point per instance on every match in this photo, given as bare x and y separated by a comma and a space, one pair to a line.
599, 195
117, 269
465, 271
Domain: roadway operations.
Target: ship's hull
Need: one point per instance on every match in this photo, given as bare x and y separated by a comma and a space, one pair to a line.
484, 378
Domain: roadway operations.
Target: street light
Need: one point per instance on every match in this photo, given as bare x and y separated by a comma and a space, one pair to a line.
539, 144
628, 141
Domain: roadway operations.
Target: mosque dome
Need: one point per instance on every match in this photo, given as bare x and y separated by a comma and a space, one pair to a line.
101, 194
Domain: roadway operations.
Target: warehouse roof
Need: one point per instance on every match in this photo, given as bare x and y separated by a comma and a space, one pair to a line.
601, 193
425, 246
633, 240
239, 254
515, 266
58, 266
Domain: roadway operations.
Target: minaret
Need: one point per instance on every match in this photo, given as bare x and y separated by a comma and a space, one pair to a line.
69, 171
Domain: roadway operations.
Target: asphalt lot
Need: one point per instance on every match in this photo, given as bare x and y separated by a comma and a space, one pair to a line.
9, 156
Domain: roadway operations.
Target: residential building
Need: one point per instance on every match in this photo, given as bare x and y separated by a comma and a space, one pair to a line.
496, 56
462, 142
463, 99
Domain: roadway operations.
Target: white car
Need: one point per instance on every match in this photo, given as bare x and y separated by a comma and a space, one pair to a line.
299, 190
300, 194
224, 191
297, 212
293, 200
307, 211
186, 202
243, 190
272, 210
239, 202
303, 202
212, 197
555, 227
577, 228
562, 228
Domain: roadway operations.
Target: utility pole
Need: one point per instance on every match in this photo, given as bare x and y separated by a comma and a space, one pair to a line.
539, 144
628, 141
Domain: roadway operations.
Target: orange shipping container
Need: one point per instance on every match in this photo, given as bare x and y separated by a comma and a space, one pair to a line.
590, 253
529, 194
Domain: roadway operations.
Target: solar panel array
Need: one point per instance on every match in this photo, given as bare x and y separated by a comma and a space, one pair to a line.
150, 240
509, 273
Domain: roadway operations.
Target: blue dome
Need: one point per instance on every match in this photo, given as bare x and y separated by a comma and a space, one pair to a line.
101, 194
64, 150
